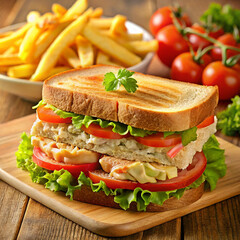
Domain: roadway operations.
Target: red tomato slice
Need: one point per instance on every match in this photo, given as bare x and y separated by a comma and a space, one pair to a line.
157, 140
42, 160
97, 131
208, 121
184, 178
48, 115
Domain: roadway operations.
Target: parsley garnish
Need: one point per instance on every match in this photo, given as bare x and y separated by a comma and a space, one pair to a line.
124, 77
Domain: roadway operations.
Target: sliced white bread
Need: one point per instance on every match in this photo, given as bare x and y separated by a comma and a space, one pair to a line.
158, 104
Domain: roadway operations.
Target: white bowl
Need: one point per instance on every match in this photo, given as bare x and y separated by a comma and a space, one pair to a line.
32, 91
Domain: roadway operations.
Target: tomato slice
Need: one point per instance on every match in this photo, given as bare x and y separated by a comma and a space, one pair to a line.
185, 178
208, 121
97, 131
158, 140
48, 115
42, 160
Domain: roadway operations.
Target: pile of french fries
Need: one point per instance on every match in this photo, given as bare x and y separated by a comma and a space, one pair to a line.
65, 39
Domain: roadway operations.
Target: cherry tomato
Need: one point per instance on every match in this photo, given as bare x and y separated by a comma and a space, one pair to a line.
162, 17
185, 178
185, 69
158, 140
197, 41
216, 33
42, 160
227, 79
226, 39
97, 131
48, 115
208, 121
171, 44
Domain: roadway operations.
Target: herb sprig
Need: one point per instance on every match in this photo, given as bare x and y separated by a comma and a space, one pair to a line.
124, 77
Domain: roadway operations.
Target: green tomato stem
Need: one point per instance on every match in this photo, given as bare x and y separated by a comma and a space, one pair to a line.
185, 31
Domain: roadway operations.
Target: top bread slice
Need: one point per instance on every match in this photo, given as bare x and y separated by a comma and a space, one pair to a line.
158, 104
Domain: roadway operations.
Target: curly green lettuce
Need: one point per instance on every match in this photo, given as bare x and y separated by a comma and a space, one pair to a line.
223, 16
120, 128
63, 181
229, 119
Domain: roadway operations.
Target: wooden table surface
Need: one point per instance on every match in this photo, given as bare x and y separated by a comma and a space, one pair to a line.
23, 218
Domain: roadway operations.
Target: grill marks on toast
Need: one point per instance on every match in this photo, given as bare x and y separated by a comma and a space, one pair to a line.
158, 95
158, 104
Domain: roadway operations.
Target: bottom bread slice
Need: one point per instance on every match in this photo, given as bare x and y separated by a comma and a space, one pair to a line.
85, 194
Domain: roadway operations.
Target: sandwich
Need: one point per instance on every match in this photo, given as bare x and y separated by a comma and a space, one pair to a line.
107, 136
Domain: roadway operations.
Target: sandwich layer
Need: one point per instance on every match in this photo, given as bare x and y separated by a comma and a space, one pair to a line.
125, 148
158, 104
99, 198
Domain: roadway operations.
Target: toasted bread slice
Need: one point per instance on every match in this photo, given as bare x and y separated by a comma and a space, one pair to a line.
158, 104
85, 194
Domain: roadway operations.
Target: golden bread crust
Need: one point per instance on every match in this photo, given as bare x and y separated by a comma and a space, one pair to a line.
158, 104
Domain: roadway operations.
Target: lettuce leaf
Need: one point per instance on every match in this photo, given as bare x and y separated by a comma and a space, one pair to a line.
229, 119
78, 120
223, 16
216, 166
120, 128
187, 136
63, 181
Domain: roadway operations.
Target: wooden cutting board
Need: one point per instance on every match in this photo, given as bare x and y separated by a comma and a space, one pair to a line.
102, 220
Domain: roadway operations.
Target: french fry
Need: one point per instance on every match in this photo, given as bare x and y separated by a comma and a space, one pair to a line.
10, 60
140, 47
110, 47
10, 40
5, 34
66, 37
57, 70
47, 38
3, 69
71, 57
102, 58
118, 27
101, 23
75, 10
10, 51
33, 16
48, 20
26, 50
21, 71
126, 37
134, 37
85, 51
97, 13
58, 10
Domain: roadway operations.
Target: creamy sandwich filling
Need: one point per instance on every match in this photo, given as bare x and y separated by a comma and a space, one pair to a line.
141, 172
125, 148
64, 153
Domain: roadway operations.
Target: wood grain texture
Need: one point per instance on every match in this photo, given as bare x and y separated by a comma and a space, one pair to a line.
169, 230
12, 207
12, 202
22, 108
206, 222
105, 221
43, 223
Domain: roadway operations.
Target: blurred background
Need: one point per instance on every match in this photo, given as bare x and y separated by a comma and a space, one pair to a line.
138, 11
